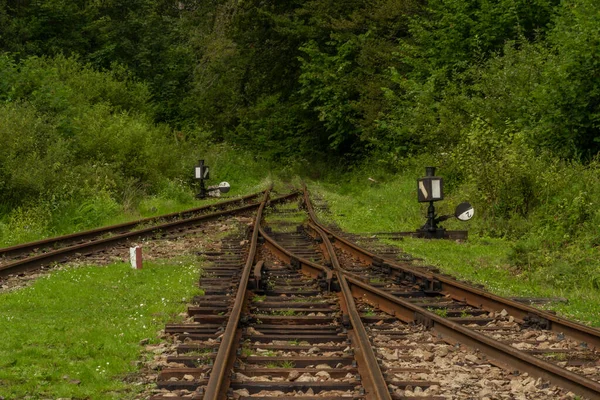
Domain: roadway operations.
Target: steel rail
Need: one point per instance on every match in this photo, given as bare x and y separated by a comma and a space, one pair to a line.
25, 248
504, 354
463, 292
310, 268
216, 388
59, 255
375, 385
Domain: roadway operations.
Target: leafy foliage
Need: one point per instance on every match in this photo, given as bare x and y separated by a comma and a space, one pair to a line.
71, 133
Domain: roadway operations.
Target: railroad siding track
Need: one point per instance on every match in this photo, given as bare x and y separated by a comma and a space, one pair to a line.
530, 335
18, 252
527, 329
527, 336
31, 256
430, 281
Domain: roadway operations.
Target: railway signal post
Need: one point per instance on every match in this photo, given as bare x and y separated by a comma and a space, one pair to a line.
431, 189
202, 173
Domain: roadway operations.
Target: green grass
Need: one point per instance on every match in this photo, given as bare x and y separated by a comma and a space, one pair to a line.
442, 312
287, 364
369, 312
557, 356
247, 352
392, 206
258, 298
199, 352
280, 364
285, 313
485, 261
75, 333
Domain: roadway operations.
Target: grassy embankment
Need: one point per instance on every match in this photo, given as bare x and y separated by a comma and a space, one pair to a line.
392, 206
75, 333
81, 149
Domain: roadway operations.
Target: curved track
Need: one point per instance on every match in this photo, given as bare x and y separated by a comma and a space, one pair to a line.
513, 334
31, 256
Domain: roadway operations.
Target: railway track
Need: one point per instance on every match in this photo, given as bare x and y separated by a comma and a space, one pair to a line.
27, 257
286, 338
308, 314
514, 335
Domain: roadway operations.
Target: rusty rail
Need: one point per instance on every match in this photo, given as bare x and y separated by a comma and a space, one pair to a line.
310, 268
26, 248
502, 353
217, 382
375, 384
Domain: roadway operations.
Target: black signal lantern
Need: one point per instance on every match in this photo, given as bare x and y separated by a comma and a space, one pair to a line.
201, 172
431, 187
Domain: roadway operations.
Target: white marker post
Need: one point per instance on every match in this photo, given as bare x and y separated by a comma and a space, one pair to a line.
135, 256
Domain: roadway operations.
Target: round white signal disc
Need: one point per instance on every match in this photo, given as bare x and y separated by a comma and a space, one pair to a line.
466, 215
464, 211
224, 187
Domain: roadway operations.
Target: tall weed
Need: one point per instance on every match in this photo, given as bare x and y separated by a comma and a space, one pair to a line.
24, 224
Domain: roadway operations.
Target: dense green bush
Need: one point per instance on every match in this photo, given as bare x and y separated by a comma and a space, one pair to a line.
75, 142
70, 128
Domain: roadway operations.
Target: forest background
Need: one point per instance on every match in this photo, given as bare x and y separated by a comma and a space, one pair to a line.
106, 105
